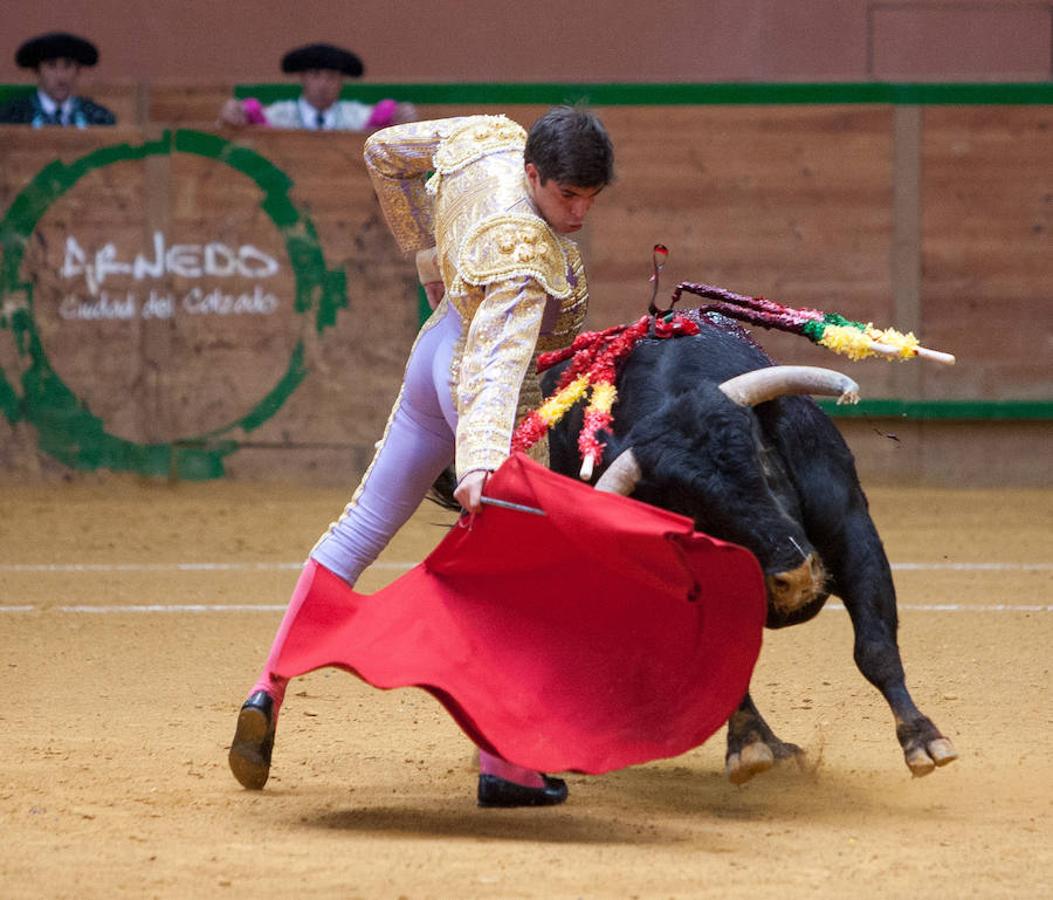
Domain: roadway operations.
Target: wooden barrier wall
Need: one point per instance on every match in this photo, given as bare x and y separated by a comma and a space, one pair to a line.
930, 218
705, 40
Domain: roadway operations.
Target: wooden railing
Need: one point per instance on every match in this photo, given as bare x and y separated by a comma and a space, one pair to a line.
933, 217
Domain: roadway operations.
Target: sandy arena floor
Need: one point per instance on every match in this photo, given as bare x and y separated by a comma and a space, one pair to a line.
117, 715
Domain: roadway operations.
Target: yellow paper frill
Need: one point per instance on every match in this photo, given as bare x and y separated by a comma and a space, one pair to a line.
907, 344
553, 409
604, 395
847, 341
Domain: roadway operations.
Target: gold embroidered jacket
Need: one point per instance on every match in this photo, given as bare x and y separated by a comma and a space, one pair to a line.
518, 285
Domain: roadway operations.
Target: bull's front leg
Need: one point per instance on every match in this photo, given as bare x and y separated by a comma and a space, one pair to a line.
752, 745
864, 582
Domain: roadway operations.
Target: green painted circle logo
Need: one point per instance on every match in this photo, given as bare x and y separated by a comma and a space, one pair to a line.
67, 429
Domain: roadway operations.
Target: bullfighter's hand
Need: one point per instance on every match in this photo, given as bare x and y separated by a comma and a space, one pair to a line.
233, 113
470, 490
404, 112
434, 291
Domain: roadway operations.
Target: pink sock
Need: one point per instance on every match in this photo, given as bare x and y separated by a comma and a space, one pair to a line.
493, 765
268, 681
273, 685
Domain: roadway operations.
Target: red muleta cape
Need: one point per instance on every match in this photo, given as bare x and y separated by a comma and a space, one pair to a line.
604, 634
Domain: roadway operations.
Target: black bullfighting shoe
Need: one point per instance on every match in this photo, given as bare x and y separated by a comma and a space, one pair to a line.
494, 791
250, 752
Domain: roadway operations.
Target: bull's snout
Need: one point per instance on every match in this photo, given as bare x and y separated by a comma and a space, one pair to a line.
790, 590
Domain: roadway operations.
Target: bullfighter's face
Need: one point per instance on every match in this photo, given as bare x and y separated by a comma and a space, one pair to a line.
57, 78
321, 87
563, 206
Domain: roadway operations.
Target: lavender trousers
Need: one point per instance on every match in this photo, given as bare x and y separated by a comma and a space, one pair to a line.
418, 443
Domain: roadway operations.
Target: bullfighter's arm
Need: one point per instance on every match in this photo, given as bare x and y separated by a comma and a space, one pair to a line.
398, 160
499, 348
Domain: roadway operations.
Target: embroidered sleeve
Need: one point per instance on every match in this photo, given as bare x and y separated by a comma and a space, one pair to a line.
398, 160
474, 137
511, 246
497, 352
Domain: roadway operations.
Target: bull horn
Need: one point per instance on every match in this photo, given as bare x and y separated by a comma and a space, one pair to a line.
622, 476
755, 387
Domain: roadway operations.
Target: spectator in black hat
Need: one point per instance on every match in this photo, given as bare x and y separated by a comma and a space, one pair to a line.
57, 58
322, 69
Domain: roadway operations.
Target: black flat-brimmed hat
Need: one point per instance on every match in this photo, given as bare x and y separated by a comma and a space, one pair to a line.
56, 45
322, 56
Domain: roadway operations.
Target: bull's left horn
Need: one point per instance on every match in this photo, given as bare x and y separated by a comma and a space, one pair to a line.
755, 387
622, 476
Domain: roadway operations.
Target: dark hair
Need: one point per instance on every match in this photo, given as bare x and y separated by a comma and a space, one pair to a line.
570, 145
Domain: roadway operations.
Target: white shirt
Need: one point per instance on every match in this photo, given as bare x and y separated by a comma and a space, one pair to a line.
49, 106
344, 115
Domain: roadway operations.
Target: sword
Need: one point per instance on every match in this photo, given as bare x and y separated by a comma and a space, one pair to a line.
516, 507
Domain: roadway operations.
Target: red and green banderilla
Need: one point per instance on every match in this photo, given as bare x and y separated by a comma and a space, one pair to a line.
856, 340
596, 356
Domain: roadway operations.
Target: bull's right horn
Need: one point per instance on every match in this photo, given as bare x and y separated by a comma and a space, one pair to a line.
622, 476
751, 388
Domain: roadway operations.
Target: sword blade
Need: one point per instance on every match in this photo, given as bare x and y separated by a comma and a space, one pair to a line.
516, 507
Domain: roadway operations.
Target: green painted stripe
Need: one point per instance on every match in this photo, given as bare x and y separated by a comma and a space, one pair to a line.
682, 93
945, 410
1039, 93
10, 91
423, 306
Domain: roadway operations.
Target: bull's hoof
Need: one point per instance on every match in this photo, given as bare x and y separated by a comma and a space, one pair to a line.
924, 748
752, 746
923, 760
751, 760
758, 756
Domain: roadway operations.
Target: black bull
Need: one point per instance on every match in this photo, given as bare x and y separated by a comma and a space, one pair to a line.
776, 478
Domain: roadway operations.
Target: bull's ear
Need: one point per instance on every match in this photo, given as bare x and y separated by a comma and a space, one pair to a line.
622, 476
760, 385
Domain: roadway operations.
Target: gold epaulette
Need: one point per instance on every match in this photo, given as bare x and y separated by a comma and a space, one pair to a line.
479, 137
514, 245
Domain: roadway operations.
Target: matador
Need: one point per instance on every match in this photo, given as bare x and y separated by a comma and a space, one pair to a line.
487, 208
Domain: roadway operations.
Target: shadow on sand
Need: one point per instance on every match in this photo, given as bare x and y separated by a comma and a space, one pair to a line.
564, 825
656, 804
788, 792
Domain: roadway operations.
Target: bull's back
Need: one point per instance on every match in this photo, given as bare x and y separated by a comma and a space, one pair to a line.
654, 371
658, 369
